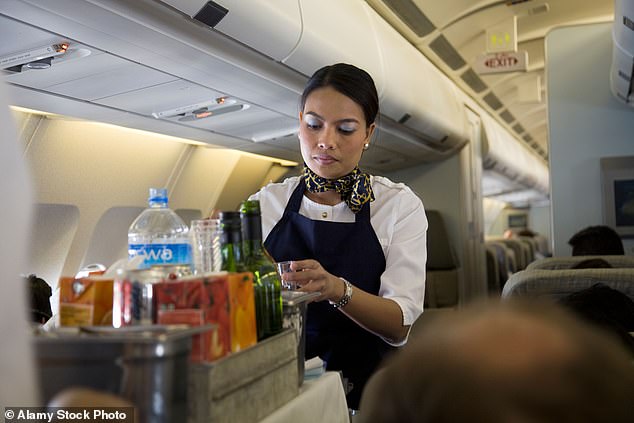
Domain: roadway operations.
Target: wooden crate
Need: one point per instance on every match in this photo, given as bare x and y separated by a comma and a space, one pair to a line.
245, 386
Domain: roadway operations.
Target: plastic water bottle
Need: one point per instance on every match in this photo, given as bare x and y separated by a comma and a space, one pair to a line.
159, 234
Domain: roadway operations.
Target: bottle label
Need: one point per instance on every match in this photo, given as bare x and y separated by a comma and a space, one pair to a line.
161, 253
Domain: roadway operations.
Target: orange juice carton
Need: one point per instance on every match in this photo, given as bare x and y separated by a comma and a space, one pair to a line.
224, 299
85, 301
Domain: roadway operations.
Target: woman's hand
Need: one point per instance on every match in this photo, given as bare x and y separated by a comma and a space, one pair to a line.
376, 314
310, 276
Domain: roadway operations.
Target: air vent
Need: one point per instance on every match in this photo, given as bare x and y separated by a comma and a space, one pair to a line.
535, 145
447, 53
211, 14
404, 118
473, 81
528, 138
542, 8
492, 101
518, 128
411, 15
507, 116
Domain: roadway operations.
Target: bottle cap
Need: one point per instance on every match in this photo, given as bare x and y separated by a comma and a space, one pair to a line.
230, 219
158, 195
250, 207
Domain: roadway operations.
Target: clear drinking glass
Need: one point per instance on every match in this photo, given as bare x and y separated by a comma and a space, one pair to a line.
285, 267
205, 239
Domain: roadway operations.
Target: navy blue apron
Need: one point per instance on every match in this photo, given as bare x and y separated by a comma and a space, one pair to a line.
353, 252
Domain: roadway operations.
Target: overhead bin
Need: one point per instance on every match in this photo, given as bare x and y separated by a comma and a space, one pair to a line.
345, 36
259, 53
506, 156
270, 27
421, 112
416, 94
623, 52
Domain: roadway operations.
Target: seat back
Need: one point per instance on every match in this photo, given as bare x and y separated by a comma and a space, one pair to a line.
559, 263
441, 288
493, 270
555, 284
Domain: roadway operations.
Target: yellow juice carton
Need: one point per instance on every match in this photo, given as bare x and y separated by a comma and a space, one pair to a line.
85, 301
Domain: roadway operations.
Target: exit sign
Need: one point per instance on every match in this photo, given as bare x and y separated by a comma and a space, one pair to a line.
501, 62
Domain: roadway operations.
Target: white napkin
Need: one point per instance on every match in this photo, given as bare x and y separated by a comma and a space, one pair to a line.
314, 367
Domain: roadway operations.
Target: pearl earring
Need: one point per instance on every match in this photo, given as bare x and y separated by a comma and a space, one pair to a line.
366, 145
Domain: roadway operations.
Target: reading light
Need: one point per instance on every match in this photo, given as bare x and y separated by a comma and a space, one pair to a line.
38, 58
39, 64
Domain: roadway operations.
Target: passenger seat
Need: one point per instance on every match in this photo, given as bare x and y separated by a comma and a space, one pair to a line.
442, 265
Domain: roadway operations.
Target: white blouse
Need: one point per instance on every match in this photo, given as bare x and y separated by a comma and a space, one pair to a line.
398, 218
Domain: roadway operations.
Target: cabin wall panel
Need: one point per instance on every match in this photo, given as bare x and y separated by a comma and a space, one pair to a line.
53, 227
201, 182
243, 181
585, 123
539, 220
94, 167
438, 186
103, 172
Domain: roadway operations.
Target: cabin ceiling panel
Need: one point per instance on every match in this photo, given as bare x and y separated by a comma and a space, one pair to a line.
161, 97
97, 62
110, 81
463, 24
255, 124
274, 149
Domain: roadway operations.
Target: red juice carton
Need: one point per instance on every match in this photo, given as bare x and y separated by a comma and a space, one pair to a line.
224, 299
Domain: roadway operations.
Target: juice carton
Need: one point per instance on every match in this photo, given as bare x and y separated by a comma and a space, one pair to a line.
85, 301
224, 299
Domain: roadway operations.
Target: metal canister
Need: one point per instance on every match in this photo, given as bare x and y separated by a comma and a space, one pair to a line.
134, 302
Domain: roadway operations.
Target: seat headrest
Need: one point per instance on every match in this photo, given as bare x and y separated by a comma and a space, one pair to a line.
440, 255
555, 284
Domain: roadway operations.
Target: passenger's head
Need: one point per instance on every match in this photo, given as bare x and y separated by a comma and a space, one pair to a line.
338, 110
40, 293
509, 362
592, 263
607, 308
596, 240
526, 232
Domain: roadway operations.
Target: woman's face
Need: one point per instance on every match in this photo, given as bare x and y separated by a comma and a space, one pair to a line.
332, 133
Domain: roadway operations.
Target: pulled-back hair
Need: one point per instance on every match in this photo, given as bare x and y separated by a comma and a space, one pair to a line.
350, 81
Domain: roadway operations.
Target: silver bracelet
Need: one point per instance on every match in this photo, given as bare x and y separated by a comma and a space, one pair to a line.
346, 296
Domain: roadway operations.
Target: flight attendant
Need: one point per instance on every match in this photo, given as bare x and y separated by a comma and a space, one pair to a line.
359, 240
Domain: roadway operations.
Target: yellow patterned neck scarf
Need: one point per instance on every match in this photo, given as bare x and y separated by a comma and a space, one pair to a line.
355, 188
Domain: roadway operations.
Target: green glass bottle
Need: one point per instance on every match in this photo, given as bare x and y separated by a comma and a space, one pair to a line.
268, 287
231, 242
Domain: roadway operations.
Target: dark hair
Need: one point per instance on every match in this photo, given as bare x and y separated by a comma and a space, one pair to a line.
605, 307
527, 361
40, 293
592, 263
596, 240
526, 232
350, 81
